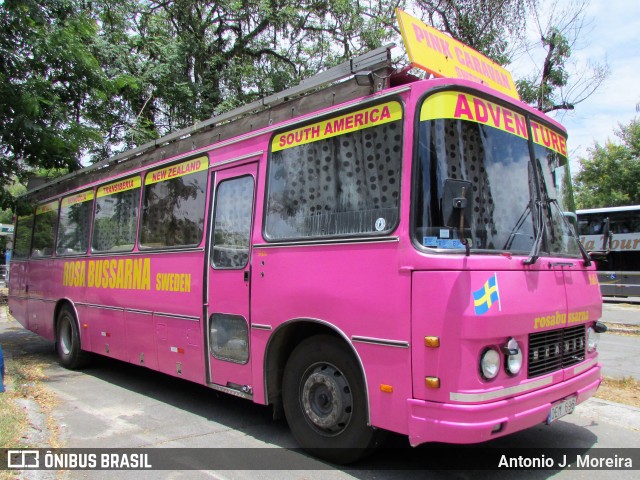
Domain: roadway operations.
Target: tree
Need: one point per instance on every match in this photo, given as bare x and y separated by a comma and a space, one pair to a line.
559, 84
610, 176
494, 28
179, 62
86, 80
48, 76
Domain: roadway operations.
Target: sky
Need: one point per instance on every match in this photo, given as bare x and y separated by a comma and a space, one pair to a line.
614, 35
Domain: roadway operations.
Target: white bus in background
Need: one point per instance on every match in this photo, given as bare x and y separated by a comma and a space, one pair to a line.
619, 274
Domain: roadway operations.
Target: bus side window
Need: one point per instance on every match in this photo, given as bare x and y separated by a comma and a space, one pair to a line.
232, 224
44, 230
24, 230
74, 224
116, 217
173, 209
344, 185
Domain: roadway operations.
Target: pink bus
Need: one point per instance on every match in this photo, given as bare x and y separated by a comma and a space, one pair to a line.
383, 254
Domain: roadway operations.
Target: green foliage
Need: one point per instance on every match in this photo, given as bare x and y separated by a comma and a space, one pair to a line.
83, 81
47, 75
173, 64
610, 176
542, 90
560, 83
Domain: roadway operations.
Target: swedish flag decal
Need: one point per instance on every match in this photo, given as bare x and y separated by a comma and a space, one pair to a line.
489, 294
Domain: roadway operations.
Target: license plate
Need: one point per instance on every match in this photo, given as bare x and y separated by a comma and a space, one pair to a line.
560, 409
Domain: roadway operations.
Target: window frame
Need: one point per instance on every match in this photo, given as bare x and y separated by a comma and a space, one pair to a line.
336, 113
92, 250
161, 166
529, 116
14, 255
60, 208
57, 202
213, 220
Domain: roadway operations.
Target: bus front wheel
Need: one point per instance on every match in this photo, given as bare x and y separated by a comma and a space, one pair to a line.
324, 400
68, 341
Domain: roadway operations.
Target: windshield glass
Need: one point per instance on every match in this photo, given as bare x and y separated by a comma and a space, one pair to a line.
557, 195
475, 180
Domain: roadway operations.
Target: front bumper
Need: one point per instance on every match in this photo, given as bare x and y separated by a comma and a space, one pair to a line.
460, 423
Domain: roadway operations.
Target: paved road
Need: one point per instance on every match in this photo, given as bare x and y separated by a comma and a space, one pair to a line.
619, 354
621, 312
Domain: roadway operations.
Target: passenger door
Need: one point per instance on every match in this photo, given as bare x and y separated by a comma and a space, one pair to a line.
228, 319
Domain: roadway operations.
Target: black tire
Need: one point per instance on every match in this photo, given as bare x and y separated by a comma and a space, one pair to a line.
68, 346
324, 401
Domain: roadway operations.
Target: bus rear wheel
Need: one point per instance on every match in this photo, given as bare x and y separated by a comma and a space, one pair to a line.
325, 403
70, 353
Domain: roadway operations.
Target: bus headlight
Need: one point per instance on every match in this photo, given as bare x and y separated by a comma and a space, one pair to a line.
592, 340
513, 353
490, 363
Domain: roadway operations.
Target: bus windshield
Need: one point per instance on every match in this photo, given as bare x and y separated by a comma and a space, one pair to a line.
475, 180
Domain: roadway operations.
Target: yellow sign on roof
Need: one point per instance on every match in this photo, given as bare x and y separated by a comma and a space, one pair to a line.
443, 56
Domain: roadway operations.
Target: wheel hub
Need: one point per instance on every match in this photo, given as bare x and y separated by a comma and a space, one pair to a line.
326, 399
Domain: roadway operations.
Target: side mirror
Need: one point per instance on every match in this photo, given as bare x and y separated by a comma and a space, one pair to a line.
456, 203
456, 207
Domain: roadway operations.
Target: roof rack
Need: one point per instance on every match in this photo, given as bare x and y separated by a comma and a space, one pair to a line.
324, 89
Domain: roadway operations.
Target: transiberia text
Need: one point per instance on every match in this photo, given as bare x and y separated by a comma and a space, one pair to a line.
586, 461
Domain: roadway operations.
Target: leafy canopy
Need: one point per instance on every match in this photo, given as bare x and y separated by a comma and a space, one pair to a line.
610, 174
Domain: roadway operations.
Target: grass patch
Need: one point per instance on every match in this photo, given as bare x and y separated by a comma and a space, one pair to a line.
27, 375
13, 420
23, 380
621, 390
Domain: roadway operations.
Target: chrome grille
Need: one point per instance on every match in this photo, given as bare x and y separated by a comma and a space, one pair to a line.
555, 349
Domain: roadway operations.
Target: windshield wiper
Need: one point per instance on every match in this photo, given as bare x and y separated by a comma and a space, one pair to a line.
516, 229
583, 251
534, 254
541, 230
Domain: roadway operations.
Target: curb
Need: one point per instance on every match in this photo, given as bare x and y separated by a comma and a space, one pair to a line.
622, 326
633, 331
618, 414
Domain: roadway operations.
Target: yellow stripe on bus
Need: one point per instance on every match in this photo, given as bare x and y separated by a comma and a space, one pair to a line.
47, 207
78, 198
351, 122
463, 106
119, 186
177, 170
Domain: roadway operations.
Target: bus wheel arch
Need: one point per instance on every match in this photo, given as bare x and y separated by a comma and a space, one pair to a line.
315, 376
281, 344
68, 343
